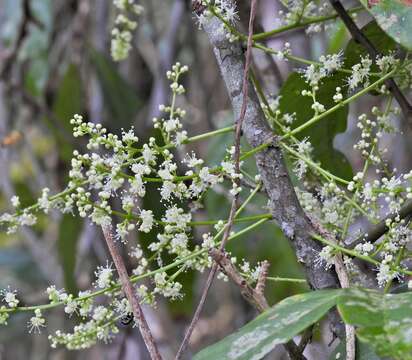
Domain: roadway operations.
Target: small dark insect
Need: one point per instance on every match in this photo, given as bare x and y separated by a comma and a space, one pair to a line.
197, 7
127, 319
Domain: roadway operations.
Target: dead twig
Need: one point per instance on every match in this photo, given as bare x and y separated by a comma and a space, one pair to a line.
254, 296
261, 282
9, 58
131, 295
236, 156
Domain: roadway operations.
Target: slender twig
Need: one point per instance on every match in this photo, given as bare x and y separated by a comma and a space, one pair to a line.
261, 281
10, 57
233, 207
196, 315
254, 296
136, 278
306, 338
131, 295
360, 37
300, 24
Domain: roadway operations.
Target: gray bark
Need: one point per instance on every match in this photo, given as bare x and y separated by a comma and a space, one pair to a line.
282, 200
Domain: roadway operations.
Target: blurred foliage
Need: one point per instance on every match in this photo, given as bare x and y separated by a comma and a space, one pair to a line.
69, 101
363, 352
120, 97
36, 47
337, 39
69, 231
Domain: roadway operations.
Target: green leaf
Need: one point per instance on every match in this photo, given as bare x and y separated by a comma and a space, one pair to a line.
275, 326
69, 232
382, 42
394, 17
322, 133
69, 98
119, 95
384, 321
68, 101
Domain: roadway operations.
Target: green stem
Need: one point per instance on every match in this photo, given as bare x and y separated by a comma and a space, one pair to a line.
348, 100
312, 164
190, 140
397, 262
301, 24
134, 278
285, 279
353, 253
136, 217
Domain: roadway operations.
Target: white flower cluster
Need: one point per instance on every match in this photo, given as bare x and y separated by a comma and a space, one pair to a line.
300, 9
10, 298
338, 203
170, 125
360, 73
36, 322
304, 148
124, 26
226, 10
117, 166
328, 64
371, 132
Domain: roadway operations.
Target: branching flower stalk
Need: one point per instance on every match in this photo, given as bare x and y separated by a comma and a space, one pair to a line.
118, 167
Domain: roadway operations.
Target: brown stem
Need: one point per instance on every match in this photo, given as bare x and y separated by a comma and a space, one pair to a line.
261, 282
344, 281
131, 295
11, 56
374, 232
255, 297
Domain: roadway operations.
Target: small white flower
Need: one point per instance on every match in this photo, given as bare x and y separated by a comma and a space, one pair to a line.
104, 275
15, 201
36, 322
10, 298
326, 256
147, 220
44, 202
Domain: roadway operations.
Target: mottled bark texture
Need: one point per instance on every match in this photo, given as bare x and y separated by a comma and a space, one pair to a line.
282, 200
